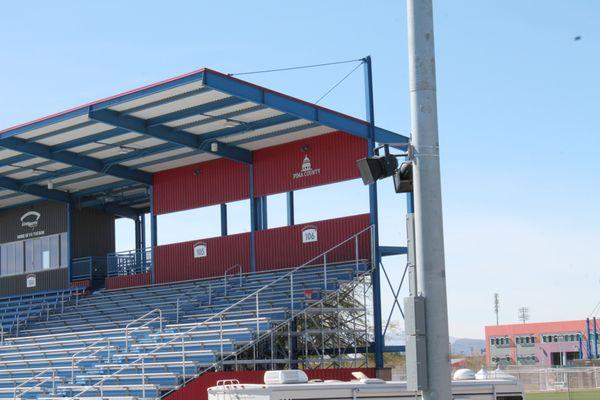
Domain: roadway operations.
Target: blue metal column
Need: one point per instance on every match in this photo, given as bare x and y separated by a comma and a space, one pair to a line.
290, 208
253, 220
153, 233
377, 320
223, 219
143, 229
142, 218
595, 339
263, 213
70, 241
138, 233
589, 344
580, 347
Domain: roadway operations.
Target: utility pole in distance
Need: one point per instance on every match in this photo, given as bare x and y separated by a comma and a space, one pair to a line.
496, 305
523, 314
433, 358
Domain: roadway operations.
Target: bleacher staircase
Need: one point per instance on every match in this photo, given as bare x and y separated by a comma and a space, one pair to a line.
142, 343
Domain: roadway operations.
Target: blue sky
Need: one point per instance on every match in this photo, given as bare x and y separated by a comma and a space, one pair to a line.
518, 110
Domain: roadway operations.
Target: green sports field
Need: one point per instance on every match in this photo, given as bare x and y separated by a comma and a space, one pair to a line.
572, 395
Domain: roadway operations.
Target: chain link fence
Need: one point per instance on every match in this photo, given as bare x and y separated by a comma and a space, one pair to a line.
557, 379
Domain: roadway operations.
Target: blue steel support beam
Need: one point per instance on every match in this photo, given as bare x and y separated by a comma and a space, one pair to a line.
263, 213
300, 109
70, 241
385, 251
170, 135
60, 196
290, 208
224, 219
371, 139
253, 221
35, 190
138, 233
595, 339
153, 235
67, 157
143, 223
589, 343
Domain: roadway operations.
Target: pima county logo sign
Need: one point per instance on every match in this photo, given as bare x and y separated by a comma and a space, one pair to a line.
30, 219
306, 169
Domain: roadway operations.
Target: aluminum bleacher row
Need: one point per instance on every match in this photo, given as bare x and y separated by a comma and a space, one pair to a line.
140, 343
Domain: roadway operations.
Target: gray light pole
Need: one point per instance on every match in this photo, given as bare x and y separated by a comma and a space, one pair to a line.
429, 238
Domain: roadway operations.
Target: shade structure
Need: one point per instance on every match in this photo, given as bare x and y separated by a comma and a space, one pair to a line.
103, 154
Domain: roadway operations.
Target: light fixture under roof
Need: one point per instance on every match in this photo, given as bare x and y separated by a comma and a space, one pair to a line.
126, 150
36, 172
230, 123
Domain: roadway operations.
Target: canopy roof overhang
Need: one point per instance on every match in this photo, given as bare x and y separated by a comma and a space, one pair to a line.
103, 154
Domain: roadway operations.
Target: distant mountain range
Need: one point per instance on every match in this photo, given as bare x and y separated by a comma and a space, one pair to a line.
462, 346
467, 347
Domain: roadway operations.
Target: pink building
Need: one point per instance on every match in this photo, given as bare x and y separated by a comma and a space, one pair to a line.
542, 343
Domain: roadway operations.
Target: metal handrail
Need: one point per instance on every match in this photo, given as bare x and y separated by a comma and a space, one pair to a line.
238, 267
87, 348
251, 343
219, 315
156, 310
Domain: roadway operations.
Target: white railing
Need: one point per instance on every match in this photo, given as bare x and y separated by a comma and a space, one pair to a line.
145, 324
279, 326
84, 350
227, 273
24, 317
253, 296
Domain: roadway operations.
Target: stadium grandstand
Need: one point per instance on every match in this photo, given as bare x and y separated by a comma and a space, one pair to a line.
80, 320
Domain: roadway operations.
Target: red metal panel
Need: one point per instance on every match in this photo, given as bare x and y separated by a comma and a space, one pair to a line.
308, 162
284, 247
198, 185
176, 262
86, 283
197, 389
121, 282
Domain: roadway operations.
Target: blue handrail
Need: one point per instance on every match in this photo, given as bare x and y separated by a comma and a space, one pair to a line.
130, 262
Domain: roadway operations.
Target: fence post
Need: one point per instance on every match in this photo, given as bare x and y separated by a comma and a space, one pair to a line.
143, 377
292, 293
257, 316
356, 255
325, 271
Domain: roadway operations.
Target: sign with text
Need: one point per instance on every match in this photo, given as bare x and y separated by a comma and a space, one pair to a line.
200, 250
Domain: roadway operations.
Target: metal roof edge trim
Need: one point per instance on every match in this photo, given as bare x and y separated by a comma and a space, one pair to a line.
104, 102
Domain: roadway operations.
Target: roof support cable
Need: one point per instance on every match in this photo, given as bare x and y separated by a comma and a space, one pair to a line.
264, 71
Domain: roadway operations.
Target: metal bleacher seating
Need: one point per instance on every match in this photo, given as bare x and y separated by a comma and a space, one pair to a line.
141, 343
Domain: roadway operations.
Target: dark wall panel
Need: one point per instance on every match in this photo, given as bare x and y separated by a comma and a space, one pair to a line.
308, 162
53, 279
199, 185
176, 262
40, 219
93, 233
284, 247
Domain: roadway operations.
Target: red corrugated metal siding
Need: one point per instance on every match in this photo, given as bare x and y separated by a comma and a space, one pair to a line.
198, 185
283, 247
121, 282
334, 155
176, 262
197, 389
83, 283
